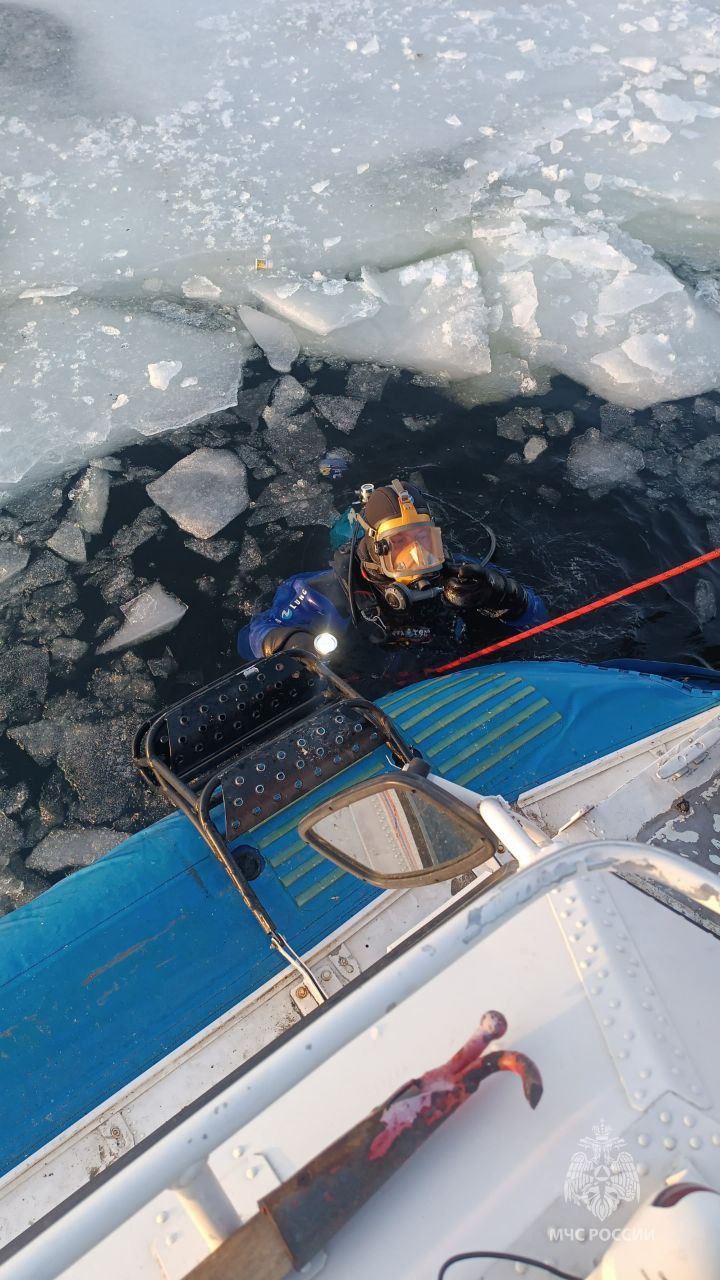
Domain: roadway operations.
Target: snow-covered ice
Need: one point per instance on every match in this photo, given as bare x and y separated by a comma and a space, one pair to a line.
492, 195
148, 615
203, 492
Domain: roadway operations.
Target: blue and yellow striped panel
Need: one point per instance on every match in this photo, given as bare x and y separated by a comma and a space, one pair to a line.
473, 721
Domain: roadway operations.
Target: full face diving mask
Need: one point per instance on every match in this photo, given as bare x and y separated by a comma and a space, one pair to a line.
408, 546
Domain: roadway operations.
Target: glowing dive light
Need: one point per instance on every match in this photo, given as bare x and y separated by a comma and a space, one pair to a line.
325, 643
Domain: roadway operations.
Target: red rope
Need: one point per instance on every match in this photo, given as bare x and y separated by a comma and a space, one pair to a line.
578, 613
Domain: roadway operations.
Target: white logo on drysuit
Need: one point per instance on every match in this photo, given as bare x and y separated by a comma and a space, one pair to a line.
288, 612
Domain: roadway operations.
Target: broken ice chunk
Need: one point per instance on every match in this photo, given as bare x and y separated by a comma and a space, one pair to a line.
161, 374
433, 319
635, 289
203, 492
200, 287
366, 382
71, 848
295, 440
23, 682
319, 306
594, 461
289, 396
90, 500
75, 380
148, 615
217, 549
275, 337
340, 411
705, 601
145, 526
645, 131
68, 542
12, 560
534, 447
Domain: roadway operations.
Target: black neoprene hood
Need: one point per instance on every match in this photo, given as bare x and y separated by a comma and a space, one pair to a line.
383, 504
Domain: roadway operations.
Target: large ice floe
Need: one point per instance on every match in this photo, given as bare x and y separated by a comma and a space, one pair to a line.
489, 195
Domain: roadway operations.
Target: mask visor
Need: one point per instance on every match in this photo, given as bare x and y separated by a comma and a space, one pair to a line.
413, 550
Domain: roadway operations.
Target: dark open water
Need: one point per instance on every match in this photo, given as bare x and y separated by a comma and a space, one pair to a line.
572, 543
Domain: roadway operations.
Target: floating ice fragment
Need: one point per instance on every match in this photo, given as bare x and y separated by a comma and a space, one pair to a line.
534, 447
644, 65
216, 549
371, 47
73, 847
706, 605
274, 336
650, 350
672, 109
90, 500
433, 318
595, 461
289, 396
454, 121
319, 306
148, 615
162, 373
589, 252
644, 131
635, 289
68, 542
13, 560
120, 401
200, 287
50, 291
203, 492
522, 295
341, 411
318, 187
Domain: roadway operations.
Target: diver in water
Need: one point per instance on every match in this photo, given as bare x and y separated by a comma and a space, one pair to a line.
396, 582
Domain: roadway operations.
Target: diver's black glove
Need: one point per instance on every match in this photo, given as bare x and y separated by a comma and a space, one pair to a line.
287, 638
485, 589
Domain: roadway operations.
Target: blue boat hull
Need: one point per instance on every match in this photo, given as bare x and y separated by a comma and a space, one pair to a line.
115, 967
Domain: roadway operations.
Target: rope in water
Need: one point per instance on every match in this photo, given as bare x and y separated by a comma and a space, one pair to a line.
579, 613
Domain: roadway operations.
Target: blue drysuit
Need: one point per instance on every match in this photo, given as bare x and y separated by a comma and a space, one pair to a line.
315, 602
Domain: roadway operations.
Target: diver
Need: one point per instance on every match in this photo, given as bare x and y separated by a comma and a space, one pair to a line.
396, 582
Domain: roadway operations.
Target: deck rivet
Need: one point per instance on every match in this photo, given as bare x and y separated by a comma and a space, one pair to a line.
161, 1217
689, 1122
666, 1117
695, 1142
643, 1140
669, 1144
238, 1152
